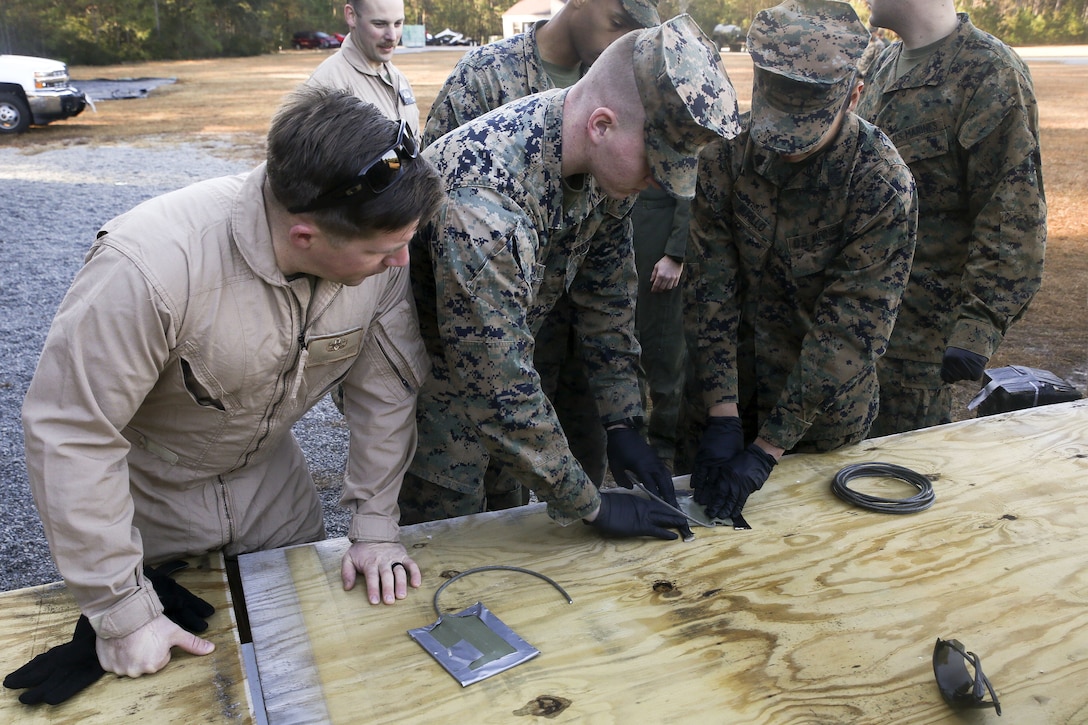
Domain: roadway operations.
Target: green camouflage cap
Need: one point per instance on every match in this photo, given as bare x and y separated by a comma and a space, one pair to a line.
643, 11
688, 98
805, 54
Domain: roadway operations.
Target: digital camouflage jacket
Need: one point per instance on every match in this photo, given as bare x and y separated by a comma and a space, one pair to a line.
966, 122
509, 239
799, 270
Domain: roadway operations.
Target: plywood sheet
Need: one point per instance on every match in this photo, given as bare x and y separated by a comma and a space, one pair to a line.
210, 689
822, 613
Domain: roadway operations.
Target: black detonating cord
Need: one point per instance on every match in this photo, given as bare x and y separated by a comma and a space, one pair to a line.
496, 567
918, 502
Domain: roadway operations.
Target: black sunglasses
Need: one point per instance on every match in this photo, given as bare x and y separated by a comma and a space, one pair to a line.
374, 179
957, 686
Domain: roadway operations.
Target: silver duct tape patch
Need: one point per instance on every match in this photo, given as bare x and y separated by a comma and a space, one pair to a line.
696, 513
685, 497
473, 644
685, 503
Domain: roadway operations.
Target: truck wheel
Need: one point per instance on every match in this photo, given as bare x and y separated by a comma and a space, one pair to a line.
14, 114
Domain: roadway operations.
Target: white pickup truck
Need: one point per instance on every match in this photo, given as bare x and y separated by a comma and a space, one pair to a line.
36, 91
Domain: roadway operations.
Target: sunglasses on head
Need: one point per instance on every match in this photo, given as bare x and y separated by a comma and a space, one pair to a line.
958, 686
374, 179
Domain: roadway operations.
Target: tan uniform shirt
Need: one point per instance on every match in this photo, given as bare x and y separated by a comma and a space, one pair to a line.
387, 88
158, 423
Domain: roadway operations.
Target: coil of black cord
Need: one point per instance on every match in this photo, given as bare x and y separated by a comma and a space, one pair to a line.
918, 502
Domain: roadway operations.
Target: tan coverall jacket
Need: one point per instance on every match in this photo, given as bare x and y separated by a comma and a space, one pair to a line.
158, 423
388, 89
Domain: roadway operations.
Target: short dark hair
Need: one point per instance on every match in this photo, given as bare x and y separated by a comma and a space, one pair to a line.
319, 139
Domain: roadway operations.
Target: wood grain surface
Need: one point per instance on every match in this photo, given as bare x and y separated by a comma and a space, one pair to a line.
210, 689
822, 613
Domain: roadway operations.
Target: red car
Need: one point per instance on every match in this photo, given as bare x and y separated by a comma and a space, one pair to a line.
313, 39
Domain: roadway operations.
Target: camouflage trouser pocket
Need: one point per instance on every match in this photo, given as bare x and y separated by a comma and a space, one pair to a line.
911, 374
912, 396
420, 500
906, 409
824, 445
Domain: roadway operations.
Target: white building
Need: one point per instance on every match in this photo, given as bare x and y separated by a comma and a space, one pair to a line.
524, 13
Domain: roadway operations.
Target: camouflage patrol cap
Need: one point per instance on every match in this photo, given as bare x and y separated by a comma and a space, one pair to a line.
643, 11
688, 98
805, 54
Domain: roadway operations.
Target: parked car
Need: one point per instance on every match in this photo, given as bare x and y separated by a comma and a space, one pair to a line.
36, 91
313, 39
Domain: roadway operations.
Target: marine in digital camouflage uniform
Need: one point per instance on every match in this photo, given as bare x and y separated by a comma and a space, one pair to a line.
518, 229
497, 73
553, 53
961, 109
803, 228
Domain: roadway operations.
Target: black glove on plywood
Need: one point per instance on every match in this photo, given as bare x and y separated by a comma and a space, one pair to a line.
54, 676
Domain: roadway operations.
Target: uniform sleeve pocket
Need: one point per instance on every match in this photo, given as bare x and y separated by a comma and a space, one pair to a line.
510, 259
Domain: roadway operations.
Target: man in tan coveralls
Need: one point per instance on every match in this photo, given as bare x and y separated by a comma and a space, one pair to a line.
203, 325
363, 65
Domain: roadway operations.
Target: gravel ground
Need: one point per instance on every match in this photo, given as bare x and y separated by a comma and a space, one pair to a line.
51, 205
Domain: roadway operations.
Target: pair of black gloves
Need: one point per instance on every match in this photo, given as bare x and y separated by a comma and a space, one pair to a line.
620, 515
65, 670
725, 472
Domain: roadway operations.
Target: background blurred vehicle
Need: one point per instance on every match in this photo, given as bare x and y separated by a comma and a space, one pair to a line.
732, 37
36, 91
448, 37
313, 39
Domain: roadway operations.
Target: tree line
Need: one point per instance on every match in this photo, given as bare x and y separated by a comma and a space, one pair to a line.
96, 32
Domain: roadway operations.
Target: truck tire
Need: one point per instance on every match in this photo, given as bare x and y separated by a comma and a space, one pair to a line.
14, 114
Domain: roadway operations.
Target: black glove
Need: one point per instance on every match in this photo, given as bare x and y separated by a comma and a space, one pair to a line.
745, 473
959, 364
54, 676
628, 451
722, 439
180, 605
67, 669
626, 515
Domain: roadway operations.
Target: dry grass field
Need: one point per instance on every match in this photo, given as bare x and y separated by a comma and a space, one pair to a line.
231, 100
